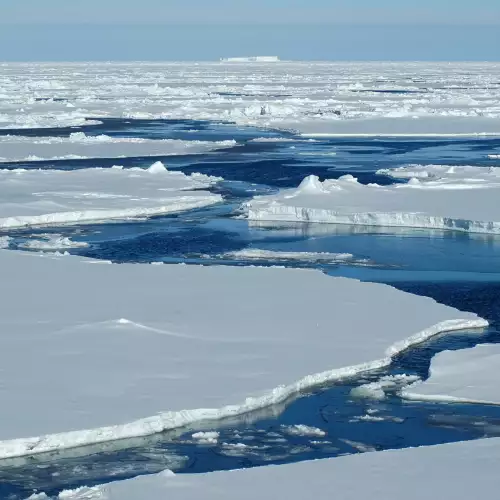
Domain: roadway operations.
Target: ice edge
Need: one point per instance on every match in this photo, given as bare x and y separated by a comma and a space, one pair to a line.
170, 420
283, 213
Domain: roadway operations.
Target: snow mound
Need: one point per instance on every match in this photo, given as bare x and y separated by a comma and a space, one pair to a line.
468, 375
157, 168
53, 197
459, 200
156, 353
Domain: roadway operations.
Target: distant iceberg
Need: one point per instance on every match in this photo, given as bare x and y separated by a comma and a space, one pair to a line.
251, 59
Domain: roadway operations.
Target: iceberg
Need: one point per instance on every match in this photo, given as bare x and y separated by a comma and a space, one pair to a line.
54, 197
459, 470
144, 349
459, 199
260, 59
468, 375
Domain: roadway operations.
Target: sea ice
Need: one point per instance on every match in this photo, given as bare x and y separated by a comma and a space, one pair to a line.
303, 430
454, 201
315, 98
206, 437
458, 471
468, 375
266, 255
52, 242
54, 197
378, 389
78, 146
144, 349
5, 241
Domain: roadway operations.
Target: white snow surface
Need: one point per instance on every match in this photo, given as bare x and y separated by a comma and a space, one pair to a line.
80, 146
53, 197
143, 349
315, 98
458, 198
468, 375
458, 471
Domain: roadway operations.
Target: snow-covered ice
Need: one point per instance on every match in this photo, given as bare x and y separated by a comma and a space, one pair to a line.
447, 174
79, 145
266, 255
206, 437
329, 98
52, 197
52, 242
378, 389
459, 198
5, 241
149, 348
468, 375
303, 430
458, 471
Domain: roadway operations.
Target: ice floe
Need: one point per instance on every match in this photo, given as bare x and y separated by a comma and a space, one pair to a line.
53, 197
303, 430
5, 241
79, 146
206, 437
52, 242
459, 470
459, 200
378, 389
267, 255
468, 375
149, 348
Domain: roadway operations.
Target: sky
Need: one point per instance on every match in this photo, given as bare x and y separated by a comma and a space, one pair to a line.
209, 29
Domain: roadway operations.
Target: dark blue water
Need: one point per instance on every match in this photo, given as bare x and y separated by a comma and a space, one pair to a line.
460, 270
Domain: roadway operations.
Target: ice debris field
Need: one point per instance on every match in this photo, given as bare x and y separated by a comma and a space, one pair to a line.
233, 175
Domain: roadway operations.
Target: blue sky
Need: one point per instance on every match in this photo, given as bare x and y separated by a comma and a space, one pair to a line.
208, 29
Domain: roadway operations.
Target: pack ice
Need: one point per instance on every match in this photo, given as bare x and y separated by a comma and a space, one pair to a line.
437, 197
458, 471
468, 375
94, 352
52, 197
315, 98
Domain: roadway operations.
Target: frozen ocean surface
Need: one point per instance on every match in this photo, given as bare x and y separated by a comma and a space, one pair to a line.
253, 131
